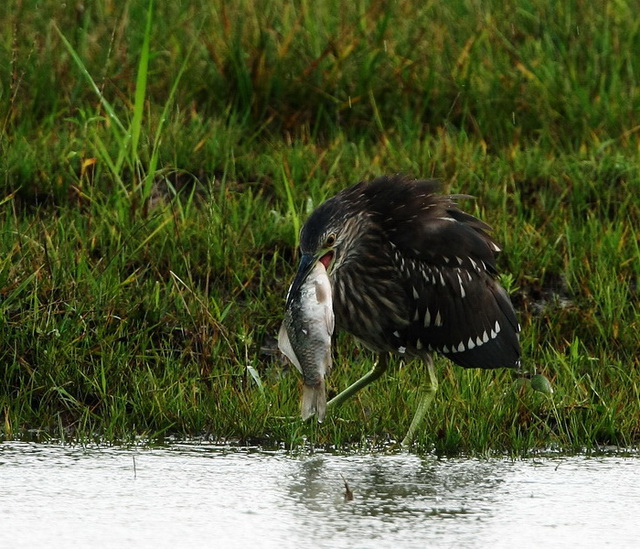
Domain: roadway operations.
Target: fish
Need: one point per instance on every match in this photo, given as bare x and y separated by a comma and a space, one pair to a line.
305, 338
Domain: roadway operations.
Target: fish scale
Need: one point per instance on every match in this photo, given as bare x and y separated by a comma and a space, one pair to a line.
305, 338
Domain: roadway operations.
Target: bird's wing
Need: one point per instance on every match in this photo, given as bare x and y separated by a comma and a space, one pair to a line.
465, 315
446, 262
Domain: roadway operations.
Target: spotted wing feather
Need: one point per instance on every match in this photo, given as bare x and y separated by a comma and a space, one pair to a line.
446, 261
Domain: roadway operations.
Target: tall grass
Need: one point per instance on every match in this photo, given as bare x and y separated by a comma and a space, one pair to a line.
158, 160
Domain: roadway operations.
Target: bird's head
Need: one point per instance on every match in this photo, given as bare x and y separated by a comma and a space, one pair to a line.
327, 237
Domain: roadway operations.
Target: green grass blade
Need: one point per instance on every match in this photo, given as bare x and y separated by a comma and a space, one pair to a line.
83, 69
151, 170
141, 83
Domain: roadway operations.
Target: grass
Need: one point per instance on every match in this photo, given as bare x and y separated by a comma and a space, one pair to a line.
157, 162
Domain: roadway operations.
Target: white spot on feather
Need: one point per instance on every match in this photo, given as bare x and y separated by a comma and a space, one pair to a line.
461, 347
497, 327
427, 318
485, 336
470, 344
462, 292
438, 321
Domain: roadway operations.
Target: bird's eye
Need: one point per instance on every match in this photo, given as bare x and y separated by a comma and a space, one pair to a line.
331, 240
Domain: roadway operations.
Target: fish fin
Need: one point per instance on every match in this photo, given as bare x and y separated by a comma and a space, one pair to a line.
330, 320
284, 344
328, 362
323, 295
314, 401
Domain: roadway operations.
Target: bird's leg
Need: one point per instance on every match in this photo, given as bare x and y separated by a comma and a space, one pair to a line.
378, 369
429, 389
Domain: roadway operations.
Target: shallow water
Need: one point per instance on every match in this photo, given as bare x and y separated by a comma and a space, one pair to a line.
210, 496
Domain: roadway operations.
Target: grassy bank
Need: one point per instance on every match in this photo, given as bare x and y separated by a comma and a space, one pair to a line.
154, 173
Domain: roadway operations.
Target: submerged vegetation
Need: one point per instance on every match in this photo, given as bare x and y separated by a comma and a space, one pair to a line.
156, 166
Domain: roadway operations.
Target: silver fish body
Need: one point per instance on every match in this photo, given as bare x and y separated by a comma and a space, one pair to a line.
305, 338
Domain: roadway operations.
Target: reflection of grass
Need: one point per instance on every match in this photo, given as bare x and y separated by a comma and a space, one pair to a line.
155, 173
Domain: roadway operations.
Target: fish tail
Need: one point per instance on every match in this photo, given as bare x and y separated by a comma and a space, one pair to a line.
314, 401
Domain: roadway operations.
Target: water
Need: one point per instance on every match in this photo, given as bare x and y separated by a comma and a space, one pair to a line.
208, 496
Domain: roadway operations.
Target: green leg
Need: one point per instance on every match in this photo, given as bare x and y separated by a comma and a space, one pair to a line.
379, 369
429, 388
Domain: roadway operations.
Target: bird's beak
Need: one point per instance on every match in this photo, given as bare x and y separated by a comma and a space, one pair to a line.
307, 262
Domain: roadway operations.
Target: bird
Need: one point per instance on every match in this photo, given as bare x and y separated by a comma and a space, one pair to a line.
412, 275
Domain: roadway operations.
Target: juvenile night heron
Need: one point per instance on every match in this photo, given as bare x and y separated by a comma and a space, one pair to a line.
411, 275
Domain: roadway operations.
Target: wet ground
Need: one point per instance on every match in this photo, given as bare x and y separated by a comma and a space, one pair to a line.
190, 495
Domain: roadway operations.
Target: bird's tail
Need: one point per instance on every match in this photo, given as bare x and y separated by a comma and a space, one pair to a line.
314, 401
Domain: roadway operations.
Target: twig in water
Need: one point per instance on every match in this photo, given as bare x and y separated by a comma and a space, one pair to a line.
348, 494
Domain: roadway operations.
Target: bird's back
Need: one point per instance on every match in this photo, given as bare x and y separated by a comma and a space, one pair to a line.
421, 276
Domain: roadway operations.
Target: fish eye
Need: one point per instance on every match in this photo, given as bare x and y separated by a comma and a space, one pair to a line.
331, 240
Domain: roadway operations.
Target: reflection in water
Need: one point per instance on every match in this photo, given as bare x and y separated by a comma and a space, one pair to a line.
205, 495
402, 493
387, 484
